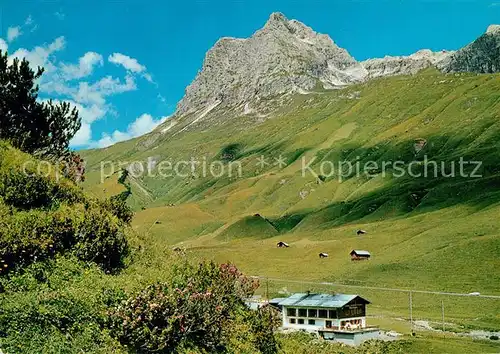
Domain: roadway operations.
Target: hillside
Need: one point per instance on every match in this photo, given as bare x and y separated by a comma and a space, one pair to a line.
412, 222
431, 222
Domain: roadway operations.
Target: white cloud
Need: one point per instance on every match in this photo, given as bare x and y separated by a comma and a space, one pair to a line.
13, 33
3, 45
89, 114
60, 15
148, 77
127, 62
142, 125
40, 56
63, 82
89, 98
130, 64
85, 66
54, 84
82, 136
161, 98
87, 93
107, 86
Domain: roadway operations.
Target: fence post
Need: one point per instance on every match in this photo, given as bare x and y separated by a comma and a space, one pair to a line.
442, 314
267, 289
411, 312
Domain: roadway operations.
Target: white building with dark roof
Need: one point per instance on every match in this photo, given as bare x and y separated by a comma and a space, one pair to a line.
337, 317
315, 311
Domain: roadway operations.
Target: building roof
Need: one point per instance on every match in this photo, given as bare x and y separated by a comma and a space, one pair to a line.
319, 300
361, 253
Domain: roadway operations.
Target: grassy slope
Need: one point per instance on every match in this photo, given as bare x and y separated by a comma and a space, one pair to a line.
424, 233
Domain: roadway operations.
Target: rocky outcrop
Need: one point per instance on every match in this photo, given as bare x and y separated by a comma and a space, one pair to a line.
481, 56
253, 76
285, 56
404, 65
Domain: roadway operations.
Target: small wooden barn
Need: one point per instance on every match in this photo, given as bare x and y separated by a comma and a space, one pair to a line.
360, 255
282, 244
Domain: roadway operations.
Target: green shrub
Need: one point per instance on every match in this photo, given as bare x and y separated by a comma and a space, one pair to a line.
230, 152
101, 239
92, 234
43, 215
58, 306
26, 189
117, 205
263, 322
25, 192
34, 235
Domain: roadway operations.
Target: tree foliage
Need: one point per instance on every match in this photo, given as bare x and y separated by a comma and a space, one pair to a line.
117, 204
57, 306
43, 128
30, 125
263, 322
42, 216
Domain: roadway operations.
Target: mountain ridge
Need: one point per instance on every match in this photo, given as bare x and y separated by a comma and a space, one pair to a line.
419, 229
287, 57
284, 56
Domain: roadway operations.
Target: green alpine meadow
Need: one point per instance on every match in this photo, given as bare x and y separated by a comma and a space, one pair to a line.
296, 200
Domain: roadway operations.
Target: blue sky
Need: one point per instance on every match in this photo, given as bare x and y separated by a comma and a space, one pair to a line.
125, 63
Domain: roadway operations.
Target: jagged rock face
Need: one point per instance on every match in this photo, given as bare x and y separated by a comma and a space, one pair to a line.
481, 56
283, 57
493, 29
254, 76
403, 65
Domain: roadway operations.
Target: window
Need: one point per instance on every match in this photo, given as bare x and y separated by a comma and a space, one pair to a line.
302, 312
352, 311
292, 320
291, 312
328, 324
313, 313
301, 321
311, 322
332, 314
322, 313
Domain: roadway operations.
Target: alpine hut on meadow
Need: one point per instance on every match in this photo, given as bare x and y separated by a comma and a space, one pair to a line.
338, 317
311, 312
360, 255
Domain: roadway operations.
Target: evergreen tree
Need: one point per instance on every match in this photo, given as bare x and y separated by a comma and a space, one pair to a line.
42, 128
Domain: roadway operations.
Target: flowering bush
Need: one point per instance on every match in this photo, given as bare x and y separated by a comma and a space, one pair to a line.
196, 309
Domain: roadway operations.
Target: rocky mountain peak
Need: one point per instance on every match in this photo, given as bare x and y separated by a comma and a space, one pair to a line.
404, 65
480, 56
286, 57
493, 29
276, 19
283, 57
